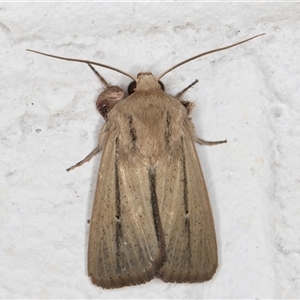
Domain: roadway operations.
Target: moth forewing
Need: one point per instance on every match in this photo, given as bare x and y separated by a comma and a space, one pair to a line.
187, 218
123, 245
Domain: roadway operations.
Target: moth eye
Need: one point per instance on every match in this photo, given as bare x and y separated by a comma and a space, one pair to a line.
131, 88
161, 85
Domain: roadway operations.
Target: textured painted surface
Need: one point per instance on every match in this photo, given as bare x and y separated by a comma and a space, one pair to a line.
48, 121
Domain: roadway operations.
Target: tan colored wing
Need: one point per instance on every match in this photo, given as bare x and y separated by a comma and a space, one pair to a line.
186, 218
126, 246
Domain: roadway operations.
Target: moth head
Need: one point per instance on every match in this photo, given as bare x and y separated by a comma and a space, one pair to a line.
145, 81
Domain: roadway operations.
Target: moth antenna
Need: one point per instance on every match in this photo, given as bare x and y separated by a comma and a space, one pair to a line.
84, 61
205, 53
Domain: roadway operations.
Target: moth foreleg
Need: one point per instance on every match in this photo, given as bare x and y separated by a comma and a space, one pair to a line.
103, 81
86, 159
109, 97
187, 104
178, 96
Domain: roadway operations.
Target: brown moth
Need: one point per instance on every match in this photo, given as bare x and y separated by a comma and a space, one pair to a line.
151, 215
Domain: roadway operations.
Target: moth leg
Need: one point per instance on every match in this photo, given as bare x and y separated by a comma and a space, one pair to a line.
178, 96
187, 104
208, 143
86, 159
103, 81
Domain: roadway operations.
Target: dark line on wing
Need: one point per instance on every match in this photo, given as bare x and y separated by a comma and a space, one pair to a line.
154, 204
185, 200
168, 132
185, 190
119, 233
132, 131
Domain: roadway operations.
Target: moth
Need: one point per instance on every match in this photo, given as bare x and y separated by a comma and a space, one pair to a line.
151, 215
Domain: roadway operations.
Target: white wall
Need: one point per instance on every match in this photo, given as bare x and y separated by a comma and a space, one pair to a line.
248, 95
